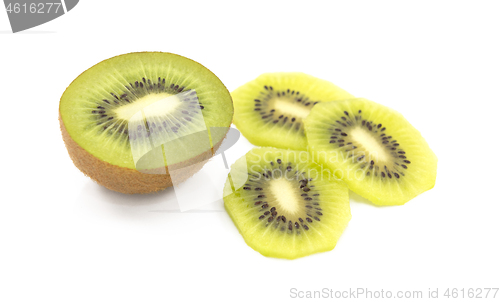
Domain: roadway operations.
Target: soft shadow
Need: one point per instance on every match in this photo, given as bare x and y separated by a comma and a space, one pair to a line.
135, 200
212, 207
159, 202
97, 198
358, 198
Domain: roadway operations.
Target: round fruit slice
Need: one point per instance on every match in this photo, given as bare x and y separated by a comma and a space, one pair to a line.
269, 111
284, 205
113, 113
374, 149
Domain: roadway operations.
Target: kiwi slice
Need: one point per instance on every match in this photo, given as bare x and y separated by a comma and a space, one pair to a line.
127, 103
284, 205
373, 148
270, 110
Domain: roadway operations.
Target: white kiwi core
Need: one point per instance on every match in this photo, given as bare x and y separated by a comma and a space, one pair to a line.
291, 109
285, 194
373, 148
125, 112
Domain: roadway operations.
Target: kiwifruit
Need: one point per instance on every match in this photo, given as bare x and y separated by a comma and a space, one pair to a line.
285, 205
373, 148
269, 111
151, 103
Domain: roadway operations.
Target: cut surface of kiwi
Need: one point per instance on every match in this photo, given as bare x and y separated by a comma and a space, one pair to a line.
270, 110
373, 148
285, 205
119, 105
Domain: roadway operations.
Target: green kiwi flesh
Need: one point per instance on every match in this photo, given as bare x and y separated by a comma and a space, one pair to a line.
285, 205
270, 110
96, 109
373, 148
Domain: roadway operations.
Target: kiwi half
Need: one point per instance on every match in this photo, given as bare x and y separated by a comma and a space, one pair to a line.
97, 110
373, 148
285, 205
270, 110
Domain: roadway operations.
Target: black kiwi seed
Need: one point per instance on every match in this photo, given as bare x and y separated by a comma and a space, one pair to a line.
133, 93
399, 155
305, 227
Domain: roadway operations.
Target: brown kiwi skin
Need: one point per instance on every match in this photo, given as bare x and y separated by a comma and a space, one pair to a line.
126, 180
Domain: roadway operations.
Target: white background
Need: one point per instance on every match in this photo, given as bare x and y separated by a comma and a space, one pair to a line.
64, 238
